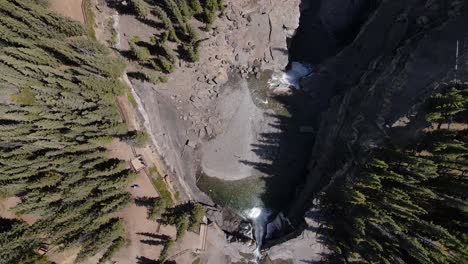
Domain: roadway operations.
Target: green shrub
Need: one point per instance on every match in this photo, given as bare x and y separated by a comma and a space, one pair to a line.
166, 65
167, 247
34, 259
190, 52
176, 14
211, 8
170, 31
196, 216
192, 34
151, 76
163, 191
141, 138
140, 8
43, 3
184, 9
141, 53
24, 97
196, 6
182, 225
157, 209
163, 78
113, 248
131, 99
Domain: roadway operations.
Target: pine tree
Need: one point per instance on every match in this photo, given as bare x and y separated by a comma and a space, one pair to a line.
165, 65
140, 8
162, 15
53, 132
184, 9
113, 248
167, 247
196, 7
406, 205
210, 10
177, 15
141, 53
196, 215
182, 226
157, 209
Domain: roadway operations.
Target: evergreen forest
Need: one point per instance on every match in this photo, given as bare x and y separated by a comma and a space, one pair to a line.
177, 38
410, 204
57, 112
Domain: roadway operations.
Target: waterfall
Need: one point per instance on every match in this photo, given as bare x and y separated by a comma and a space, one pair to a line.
259, 217
282, 82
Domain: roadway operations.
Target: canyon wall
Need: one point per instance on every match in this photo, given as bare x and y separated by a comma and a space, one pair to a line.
375, 82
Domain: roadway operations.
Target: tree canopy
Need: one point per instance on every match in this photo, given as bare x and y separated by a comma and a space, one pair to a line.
57, 111
408, 205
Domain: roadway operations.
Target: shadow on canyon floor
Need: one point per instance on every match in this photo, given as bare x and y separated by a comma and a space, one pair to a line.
284, 153
285, 157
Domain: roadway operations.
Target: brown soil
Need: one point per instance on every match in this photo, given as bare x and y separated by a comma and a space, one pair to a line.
5, 210
70, 8
128, 112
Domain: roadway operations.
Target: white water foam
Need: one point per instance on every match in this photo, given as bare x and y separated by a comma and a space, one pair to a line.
282, 82
259, 217
254, 213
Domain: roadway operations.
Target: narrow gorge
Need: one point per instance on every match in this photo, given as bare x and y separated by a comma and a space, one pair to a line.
263, 143
233, 131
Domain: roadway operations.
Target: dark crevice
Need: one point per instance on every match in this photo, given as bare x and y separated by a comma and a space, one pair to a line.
326, 27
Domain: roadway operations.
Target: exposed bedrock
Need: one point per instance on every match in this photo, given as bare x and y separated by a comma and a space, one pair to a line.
183, 120
390, 66
401, 52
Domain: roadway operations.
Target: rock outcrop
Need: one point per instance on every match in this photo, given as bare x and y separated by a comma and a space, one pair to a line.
258, 31
393, 63
184, 112
401, 53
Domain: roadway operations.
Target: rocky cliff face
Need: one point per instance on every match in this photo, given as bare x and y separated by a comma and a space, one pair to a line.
402, 51
257, 31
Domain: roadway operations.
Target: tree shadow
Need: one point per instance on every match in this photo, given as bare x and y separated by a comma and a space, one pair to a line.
145, 260
154, 236
284, 150
152, 23
128, 54
137, 75
152, 242
283, 155
120, 7
145, 201
153, 239
171, 214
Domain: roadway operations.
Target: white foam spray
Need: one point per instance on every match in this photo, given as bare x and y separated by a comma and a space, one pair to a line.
259, 217
282, 82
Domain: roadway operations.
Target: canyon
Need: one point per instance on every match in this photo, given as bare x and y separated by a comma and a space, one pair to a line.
261, 154
373, 63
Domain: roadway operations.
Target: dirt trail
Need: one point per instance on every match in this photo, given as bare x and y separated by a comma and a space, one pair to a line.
70, 8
